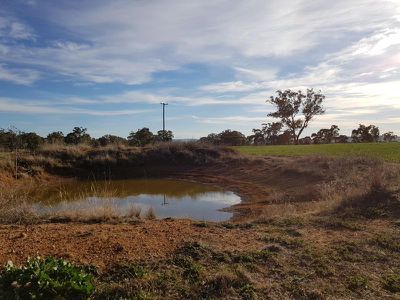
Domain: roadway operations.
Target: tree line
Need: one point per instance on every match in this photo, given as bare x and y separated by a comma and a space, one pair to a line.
272, 134
11, 139
294, 111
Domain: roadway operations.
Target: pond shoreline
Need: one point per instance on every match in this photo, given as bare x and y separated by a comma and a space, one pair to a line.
259, 181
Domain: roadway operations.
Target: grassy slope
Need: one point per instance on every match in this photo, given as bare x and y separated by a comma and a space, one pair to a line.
387, 151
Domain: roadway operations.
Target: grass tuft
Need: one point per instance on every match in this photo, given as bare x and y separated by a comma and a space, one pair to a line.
392, 283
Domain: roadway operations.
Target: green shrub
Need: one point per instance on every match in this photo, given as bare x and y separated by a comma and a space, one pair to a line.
45, 278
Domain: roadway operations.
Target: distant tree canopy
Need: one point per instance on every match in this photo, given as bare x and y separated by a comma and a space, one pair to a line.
365, 134
78, 135
56, 137
305, 141
274, 133
257, 138
326, 136
232, 137
13, 139
165, 135
144, 136
31, 141
291, 104
342, 139
110, 139
212, 138
226, 138
271, 134
389, 136
9, 139
141, 137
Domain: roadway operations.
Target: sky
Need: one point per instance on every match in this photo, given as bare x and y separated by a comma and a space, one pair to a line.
107, 65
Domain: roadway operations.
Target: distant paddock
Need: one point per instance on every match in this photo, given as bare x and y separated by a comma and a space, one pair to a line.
389, 152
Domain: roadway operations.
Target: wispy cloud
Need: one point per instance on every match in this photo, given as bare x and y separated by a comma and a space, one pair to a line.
229, 120
11, 28
233, 86
129, 41
256, 74
18, 76
10, 105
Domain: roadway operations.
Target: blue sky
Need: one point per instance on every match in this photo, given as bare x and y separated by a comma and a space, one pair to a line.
106, 65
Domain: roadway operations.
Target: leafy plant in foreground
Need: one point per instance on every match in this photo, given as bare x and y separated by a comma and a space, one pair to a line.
45, 278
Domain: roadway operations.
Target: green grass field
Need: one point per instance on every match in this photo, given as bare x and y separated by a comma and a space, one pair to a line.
387, 151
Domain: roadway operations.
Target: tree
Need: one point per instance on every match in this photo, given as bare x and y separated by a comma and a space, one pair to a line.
232, 138
227, 138
326, 136
272, 132
257, 138
109, 139
365, 134
212, 138
389, 136
268, 134
289, 104
141, 137
9, 139
165, 135
285, 138
342, 139
56, 137
31, 141
305, 141
78, 136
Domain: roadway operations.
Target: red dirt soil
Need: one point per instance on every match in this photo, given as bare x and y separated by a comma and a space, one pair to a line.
103, 245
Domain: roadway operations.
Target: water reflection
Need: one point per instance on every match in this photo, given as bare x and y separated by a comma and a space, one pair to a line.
169, 198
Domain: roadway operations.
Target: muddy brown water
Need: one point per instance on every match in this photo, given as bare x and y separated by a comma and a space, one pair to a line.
167, 198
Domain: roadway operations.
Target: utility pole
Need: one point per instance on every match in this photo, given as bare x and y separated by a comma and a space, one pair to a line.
163, 115
14, 130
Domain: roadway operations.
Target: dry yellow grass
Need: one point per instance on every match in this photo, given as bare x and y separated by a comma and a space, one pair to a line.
104, 213
15, 205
